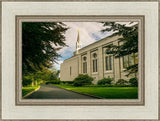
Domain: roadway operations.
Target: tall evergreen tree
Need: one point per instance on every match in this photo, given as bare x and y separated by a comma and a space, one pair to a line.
40, 42
128, 42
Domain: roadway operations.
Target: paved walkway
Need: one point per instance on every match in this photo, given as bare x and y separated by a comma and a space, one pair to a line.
53, 92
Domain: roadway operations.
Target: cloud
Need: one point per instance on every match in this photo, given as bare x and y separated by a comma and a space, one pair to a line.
57, 65
89, 32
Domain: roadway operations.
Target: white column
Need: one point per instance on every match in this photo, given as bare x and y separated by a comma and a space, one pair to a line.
100, 63
117, 67
79, 64
89, 63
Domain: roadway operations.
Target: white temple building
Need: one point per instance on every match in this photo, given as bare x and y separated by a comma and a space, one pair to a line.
94, 61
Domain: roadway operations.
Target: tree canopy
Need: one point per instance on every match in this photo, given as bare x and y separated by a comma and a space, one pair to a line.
128, 41
40, 42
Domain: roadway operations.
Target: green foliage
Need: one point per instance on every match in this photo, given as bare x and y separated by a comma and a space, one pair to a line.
39, 77
52, 76
122, 82
128, 40
39, 81
67, 82
133, 82
26, 90
40, 42
105, 81
27, 81
126, 85
46, 75
53, 82
82, 80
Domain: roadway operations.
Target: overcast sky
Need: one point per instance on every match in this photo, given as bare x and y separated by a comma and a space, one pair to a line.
89, 32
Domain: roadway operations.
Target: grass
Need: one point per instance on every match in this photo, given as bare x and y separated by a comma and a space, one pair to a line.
26, 90
106, 92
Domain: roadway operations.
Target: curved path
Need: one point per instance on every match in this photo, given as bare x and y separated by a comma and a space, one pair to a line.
53, 92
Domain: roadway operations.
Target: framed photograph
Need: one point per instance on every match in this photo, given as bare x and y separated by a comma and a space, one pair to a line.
92, 67
80, 60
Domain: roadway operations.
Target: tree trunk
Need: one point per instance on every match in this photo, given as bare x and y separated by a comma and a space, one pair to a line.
36, 82
32, 83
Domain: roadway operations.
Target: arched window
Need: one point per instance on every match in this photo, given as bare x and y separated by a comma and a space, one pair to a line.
70, 70
94, 62
84, 64
130, 60
84, 58
108, 62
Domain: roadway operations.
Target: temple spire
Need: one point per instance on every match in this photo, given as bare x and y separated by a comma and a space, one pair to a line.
78, 38
78, 43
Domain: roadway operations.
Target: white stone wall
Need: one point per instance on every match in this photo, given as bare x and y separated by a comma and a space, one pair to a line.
65, 73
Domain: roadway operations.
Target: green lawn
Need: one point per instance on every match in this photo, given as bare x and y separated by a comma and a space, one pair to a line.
106, 92
26, 90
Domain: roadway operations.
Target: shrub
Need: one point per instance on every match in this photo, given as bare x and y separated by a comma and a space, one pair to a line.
122, 82
26, 81
105, 81
133, 82
52, 76
53, 82
82, 80
67, 82
40, 81
121, 85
